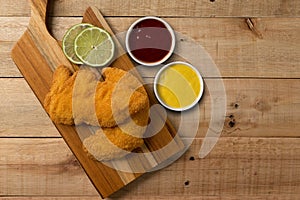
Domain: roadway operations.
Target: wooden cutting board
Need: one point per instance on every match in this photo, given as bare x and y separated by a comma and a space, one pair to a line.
37, 54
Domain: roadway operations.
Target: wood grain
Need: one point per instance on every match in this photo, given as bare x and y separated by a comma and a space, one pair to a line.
259, 162
164, 197
21, 113
179, 8
253, 109
236, 50
235, 167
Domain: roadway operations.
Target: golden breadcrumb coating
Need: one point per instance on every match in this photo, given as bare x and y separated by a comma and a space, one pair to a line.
80, 97
116, 142
59, 101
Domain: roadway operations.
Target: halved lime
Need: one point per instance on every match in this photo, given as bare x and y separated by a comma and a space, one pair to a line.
68, 41
94, 46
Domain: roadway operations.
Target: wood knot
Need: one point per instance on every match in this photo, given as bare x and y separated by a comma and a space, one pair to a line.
192, 158
70, 164
187, 183
261, 105
231, 122
235, 105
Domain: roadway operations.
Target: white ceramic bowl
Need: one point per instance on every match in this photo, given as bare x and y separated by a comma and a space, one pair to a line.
188, 106
172, 42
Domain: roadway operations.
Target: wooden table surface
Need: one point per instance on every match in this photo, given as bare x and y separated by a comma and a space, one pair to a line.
256, 46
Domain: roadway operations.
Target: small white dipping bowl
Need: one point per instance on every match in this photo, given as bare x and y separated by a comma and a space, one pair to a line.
171, 50
157, 76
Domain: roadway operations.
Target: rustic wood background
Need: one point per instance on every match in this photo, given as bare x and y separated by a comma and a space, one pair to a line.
255, 44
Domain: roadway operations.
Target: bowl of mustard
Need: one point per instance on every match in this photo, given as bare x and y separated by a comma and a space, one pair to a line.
178, 86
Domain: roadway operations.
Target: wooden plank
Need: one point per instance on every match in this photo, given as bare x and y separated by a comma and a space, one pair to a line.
7, 66
259, 107
41, 167
162, 197
186, 8
52, 197
21, 113
236, 50
235, 167
255, 107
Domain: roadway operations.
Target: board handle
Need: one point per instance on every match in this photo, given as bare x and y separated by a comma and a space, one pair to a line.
37, 22
39, 9
48, 45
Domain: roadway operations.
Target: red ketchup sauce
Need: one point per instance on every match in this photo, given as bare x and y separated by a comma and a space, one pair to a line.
150, 41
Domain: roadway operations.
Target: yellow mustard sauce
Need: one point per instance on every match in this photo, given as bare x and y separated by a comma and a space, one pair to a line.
178, 86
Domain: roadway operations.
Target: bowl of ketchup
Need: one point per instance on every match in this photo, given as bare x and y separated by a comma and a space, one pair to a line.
150, 41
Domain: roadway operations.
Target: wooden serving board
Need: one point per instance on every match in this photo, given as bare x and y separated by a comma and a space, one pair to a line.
37, 54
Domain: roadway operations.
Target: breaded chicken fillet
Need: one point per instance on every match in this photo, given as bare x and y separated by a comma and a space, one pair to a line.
119, 105
109, 108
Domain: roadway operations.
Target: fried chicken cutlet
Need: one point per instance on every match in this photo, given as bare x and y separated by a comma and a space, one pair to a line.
116, 142
59, 104
80, 97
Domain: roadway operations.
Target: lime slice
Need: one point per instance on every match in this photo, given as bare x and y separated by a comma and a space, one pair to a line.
94, 46
68, 41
